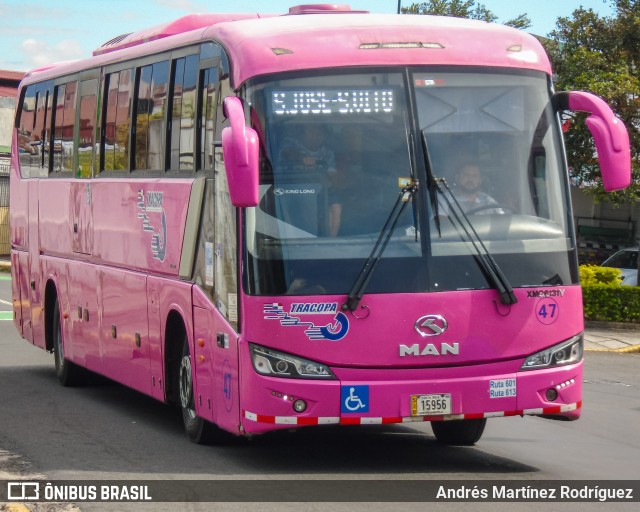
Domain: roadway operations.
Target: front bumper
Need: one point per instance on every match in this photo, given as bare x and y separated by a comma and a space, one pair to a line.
477, 391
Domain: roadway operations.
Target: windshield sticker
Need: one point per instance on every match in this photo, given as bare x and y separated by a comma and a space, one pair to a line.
318, 329
149, 204
429, 83
208, 264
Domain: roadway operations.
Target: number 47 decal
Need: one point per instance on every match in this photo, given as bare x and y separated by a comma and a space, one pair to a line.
552, 310
547, 311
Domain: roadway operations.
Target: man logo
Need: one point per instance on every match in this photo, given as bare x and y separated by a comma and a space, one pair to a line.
430, 325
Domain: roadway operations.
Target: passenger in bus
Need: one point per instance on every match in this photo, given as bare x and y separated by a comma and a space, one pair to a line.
310, 153
364, 188
307, 165
349, 175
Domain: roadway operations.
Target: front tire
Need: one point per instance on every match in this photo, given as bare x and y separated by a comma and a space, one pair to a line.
459, 432
198, 430
68, 373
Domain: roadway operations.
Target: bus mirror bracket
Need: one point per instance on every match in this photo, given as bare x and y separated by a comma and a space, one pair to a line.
240, 148
609, 134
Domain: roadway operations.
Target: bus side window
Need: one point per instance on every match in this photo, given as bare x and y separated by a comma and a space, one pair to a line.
226, 248
226, 240
117, 121
151, 104
65, 116
27, 141
208, 107
45, 115
87, 128
183, 114
204, 266
34, 130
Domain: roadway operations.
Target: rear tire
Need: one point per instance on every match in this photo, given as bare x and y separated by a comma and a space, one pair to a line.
459, 432
198, 430
68, 373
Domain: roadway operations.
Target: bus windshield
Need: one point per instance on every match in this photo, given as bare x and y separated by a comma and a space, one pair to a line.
336, 150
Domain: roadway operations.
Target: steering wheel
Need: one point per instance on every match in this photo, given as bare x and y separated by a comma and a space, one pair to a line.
492, 206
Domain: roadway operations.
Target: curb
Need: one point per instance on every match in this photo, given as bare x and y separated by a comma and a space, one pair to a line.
617, 326
633, 349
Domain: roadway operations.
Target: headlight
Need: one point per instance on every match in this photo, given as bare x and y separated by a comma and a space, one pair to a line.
567, 352
279, 364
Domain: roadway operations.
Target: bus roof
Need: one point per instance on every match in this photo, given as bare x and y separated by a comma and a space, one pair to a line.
286, 43
306, 39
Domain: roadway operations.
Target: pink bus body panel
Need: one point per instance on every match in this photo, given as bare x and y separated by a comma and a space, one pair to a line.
492, 347
483, 329
216, 367
97, 240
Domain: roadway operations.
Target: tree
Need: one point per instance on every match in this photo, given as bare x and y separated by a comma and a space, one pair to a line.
602, 56
463, 9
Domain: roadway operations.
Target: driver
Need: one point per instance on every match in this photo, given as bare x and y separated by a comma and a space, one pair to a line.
467, 191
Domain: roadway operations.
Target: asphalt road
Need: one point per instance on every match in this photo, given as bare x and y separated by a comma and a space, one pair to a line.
106, 431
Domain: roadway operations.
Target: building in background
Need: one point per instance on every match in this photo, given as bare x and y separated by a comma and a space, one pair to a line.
602, 227
9, 81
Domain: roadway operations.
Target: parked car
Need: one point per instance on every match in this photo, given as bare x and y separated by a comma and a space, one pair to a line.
627, 261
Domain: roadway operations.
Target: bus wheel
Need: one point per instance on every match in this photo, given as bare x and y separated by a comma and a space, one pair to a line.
459, 432
198, 429
68, 373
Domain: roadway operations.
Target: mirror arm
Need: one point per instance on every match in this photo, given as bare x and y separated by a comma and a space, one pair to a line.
233, 111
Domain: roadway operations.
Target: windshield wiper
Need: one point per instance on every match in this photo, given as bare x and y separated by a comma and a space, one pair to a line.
484, 258
364, 276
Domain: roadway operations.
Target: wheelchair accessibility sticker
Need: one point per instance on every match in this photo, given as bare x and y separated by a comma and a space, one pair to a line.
336, 329
354, 399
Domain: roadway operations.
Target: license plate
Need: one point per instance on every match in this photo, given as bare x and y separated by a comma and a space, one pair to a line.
430, 405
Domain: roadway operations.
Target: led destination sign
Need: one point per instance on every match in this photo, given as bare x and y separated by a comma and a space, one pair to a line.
333, 101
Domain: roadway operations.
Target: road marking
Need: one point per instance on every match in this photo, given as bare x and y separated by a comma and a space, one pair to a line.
5, 315
15, 507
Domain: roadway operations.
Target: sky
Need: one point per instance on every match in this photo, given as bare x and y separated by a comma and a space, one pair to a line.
35, 33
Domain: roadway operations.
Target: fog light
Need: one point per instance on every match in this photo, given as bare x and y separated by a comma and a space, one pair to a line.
551, 394
299, 406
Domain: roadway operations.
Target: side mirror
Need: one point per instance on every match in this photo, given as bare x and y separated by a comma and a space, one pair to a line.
240, 148
609, 133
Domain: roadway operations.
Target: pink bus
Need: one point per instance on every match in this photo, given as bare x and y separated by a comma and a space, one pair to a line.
324, 217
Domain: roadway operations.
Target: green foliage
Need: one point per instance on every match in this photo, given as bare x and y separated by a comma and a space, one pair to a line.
602, 56
604, 302
605, 299
594, 274
463, 9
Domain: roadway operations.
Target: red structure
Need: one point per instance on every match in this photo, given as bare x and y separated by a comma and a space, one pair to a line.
9, 81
